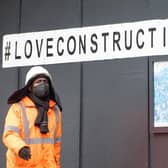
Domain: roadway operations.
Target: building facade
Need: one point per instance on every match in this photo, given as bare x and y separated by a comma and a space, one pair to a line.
107, 105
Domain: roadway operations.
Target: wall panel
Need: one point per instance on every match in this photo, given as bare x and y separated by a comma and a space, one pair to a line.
9, 16
51, 15
115, 114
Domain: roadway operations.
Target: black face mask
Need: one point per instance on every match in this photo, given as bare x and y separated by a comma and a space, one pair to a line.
41, 90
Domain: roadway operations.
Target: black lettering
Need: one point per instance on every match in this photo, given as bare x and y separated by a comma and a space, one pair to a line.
105, 35
49, 47
82, 44
128, 45
140, 46
152, 30
116, 39
39, 47
16, 56
71, 40
60, 53
94, 42
28, 49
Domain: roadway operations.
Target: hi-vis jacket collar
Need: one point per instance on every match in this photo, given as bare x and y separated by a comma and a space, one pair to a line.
30, 103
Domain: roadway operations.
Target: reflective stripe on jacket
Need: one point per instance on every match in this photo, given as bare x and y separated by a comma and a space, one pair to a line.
20, 131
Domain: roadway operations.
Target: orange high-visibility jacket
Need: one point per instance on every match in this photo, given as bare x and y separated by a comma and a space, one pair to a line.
20, 131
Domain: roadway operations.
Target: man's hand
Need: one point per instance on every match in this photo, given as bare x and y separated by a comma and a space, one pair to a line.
25, 153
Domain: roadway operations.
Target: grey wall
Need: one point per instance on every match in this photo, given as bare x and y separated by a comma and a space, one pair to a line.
106, 103
9, 16
115, 131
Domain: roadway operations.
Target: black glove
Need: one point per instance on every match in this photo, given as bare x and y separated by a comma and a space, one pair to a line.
25, 153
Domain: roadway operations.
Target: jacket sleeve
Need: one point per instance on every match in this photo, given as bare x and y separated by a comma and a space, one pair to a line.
12, 129
58, 140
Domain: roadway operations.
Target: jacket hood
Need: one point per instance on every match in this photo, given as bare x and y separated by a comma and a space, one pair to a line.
31, 75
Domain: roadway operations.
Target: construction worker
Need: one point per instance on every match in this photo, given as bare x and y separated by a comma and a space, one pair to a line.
33, 128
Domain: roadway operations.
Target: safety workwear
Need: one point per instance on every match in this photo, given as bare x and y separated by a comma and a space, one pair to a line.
20, 131
35, 71
41, 90
25, 153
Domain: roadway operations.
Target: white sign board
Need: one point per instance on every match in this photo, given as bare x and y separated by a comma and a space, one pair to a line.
144, 38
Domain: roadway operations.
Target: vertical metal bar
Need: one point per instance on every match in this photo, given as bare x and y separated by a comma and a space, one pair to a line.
149, 112
19, 30
81, 116
81, 96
